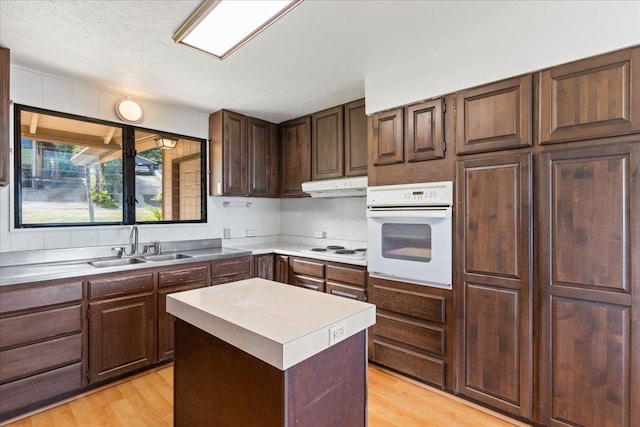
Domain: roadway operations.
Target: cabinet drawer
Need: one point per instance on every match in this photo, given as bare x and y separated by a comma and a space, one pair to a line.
410, 303
345, 291
410, 362
347, 275
28, 328
40, 296
421, 336
227, 279
183, 276
230, 267
308, 268
309, 283
112, 286
18, 394
28, 360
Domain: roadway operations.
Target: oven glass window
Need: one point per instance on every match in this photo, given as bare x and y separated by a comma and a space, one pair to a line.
409, 242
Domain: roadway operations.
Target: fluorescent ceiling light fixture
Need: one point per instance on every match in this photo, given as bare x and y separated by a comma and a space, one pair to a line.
219, 27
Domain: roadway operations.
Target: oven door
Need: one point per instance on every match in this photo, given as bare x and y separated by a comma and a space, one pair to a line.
412, 246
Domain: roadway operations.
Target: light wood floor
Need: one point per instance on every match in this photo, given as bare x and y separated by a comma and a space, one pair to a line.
147, 400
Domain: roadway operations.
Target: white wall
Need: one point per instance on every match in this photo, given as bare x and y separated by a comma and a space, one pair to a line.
544, 35
36, 89
343, 219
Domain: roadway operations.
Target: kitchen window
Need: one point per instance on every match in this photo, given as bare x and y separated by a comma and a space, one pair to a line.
72, 170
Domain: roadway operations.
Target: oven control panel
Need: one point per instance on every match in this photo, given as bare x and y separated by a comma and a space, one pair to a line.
423, 194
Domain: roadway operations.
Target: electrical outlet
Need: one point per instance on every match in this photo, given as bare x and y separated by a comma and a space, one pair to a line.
251, 232
320, 234
337, 333
226, 233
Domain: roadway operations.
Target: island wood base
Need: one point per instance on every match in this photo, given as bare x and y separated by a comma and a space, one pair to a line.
217, 384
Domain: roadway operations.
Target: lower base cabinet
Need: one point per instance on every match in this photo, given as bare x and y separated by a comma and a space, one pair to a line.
413, 334
41, 345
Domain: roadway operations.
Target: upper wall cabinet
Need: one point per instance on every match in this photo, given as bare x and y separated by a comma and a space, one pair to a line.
262, 143
327, 144
424, 137
592, 98
355, 138
244, 154
339, 142
494, 117
387, 137
4, 116
295, 156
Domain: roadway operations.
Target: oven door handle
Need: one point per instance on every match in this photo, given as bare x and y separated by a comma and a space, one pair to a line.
413, 213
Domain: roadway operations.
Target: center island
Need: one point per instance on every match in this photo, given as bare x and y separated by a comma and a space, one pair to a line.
262, 353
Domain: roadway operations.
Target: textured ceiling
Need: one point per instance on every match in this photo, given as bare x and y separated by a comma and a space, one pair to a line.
315, 57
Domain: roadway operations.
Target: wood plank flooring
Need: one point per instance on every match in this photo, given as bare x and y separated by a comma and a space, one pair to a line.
147, 400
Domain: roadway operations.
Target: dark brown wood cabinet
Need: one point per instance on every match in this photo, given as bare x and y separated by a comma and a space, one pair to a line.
494, 284
386, 140
263, 158
122, 324
295, 163
355, 138
243, 156
591, 98
327, 157
413, 334
424, 136
264, 266
4, 116
230, 270
170, 281
282, 269
346, 281
589, 280
307, 273
495, 117
41, 344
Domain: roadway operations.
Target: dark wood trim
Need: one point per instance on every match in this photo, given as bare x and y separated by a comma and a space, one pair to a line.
4, 115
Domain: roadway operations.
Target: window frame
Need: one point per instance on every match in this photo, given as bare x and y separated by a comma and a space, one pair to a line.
128, 171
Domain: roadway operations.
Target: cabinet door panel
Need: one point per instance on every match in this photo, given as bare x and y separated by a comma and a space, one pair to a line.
492, 342
282, 269
327, 143
495, 117
296, 156
166, 337
264, 266
589, 332
495, 299
355, 138
387, 142
122, 336
424, 139
234, 152
590, 363
592, 98
263, 158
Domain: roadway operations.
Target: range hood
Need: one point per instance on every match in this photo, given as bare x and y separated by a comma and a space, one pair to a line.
343, 187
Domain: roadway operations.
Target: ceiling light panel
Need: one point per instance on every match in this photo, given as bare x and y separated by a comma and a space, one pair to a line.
219, 27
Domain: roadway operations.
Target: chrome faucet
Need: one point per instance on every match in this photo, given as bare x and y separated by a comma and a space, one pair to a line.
133, 240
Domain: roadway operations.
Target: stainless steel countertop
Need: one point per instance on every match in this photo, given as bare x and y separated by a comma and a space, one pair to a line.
53, 267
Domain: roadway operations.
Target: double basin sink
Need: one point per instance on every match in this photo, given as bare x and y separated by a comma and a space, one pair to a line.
138, 260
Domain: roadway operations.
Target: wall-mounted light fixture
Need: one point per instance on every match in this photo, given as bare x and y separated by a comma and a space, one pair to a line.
166, 143
129, 110
220, 27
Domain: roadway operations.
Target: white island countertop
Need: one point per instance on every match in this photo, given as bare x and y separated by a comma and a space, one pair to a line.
279, 324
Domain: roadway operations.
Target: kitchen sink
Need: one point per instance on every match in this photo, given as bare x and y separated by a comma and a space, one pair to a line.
165, 257
116, 262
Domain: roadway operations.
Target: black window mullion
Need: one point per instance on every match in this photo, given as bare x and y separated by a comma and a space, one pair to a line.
128, 174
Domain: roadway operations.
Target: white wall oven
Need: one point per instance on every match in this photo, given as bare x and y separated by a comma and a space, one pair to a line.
410, 233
